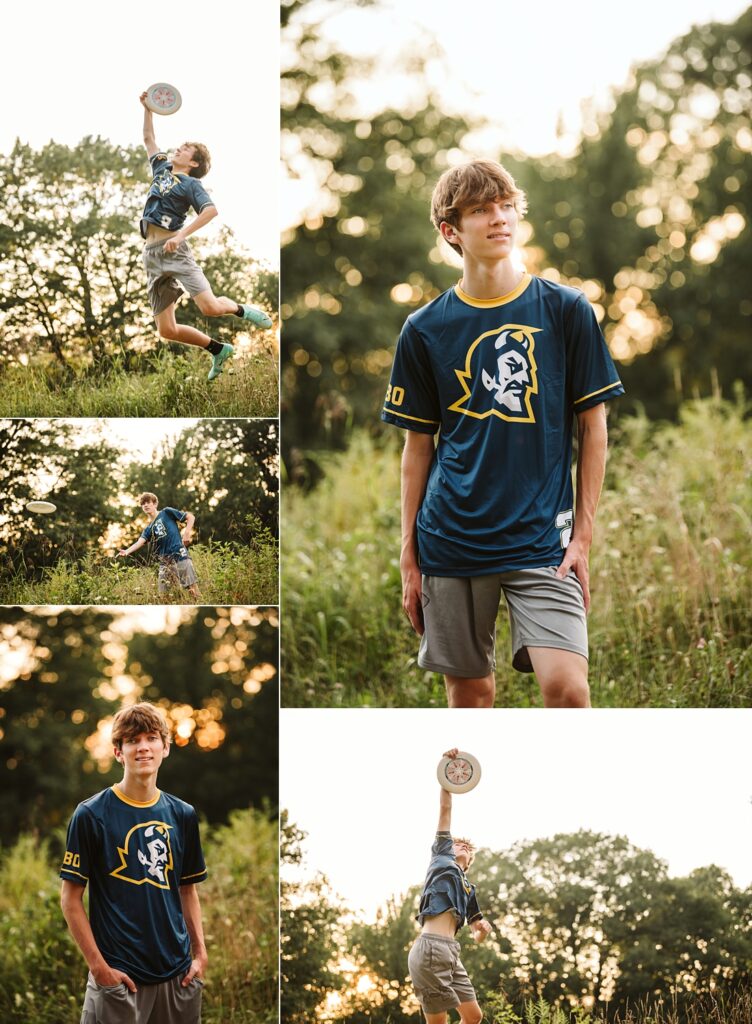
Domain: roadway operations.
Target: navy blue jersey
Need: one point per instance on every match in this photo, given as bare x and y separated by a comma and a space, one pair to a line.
171, 196
446, 886
135, 857
501, 381
163, 530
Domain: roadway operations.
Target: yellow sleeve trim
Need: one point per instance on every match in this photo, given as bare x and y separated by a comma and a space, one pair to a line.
198, 873
70, 871
415, 419
600, 391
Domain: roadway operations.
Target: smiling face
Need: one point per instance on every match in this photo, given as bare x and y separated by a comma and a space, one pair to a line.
486, 230
142, 754
463, 853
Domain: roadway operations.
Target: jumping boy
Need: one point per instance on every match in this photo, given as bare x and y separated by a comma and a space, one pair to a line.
499, 365
140, 853
448, 899
168, 259
175, 564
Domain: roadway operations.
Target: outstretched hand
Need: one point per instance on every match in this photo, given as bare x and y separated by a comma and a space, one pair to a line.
480, 929
142, 99
451, 754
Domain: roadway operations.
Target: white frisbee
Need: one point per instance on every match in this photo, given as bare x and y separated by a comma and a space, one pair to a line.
45, 507
163, 98
459, 774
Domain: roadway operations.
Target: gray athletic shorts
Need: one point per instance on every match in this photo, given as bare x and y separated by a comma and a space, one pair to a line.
165, 1003
439, 979
460, 619
176, 574
165, 269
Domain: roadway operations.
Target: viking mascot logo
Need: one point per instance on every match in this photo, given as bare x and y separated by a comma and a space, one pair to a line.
500, 375
146, 855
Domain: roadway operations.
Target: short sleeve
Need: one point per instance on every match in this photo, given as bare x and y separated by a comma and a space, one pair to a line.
194, 868
200, 198
411, 399
79, 848
443, 845
146, 532
175, 514
159, 163
591, 374
473, 910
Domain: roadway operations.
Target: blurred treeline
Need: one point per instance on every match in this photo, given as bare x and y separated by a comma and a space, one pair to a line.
212, 670
584, 922
650, 217
224, 471
72, 288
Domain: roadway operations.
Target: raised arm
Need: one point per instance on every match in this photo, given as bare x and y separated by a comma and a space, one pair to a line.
445, 800
591, 468
123, 552
149, 138
416, 464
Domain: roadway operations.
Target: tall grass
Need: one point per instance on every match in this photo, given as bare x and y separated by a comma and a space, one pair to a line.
162, 383
671, 621
227, 574
43, 975
733, 1008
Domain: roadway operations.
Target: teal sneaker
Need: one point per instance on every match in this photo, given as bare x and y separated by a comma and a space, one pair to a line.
218, 361
256, 316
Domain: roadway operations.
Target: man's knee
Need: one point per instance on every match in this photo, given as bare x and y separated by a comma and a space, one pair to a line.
567, 692
478, 692
209, 305
168, 331
471, 1014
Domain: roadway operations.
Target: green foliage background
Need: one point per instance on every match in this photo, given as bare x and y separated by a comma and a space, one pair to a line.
586, 927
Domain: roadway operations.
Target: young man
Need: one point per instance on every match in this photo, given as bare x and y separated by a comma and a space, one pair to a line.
499, 365
175, 564
140, 853
440, 981
168, 259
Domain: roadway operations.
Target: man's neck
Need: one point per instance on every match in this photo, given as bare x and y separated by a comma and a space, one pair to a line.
485, 280
142, 791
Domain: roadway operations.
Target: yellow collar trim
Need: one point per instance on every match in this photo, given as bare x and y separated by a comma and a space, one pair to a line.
501, 300
134, 803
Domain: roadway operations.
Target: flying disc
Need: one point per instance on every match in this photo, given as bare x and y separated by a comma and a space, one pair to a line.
163, 98
458, 774
44, 507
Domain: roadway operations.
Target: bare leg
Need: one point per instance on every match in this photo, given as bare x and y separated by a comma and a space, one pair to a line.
478, 692
470, 1013
215, 305
171, 330
436, 1018
562, 677
195, 592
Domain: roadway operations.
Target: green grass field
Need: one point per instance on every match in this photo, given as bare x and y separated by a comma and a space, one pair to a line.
227, 574
671, 621
43, 975
163, 383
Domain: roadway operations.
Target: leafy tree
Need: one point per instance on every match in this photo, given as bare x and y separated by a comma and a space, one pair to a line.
225, 471
369, 235
71, 280
47, 714
308, 935
78, 477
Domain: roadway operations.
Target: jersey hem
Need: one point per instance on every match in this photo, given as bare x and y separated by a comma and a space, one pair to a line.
455, 572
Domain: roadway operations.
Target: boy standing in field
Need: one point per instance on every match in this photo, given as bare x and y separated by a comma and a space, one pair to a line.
168, 259
499, 365
175, 564
448, 899
140, 853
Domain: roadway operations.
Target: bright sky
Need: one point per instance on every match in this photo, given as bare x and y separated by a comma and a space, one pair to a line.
520, 68
362, 783
71, 70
